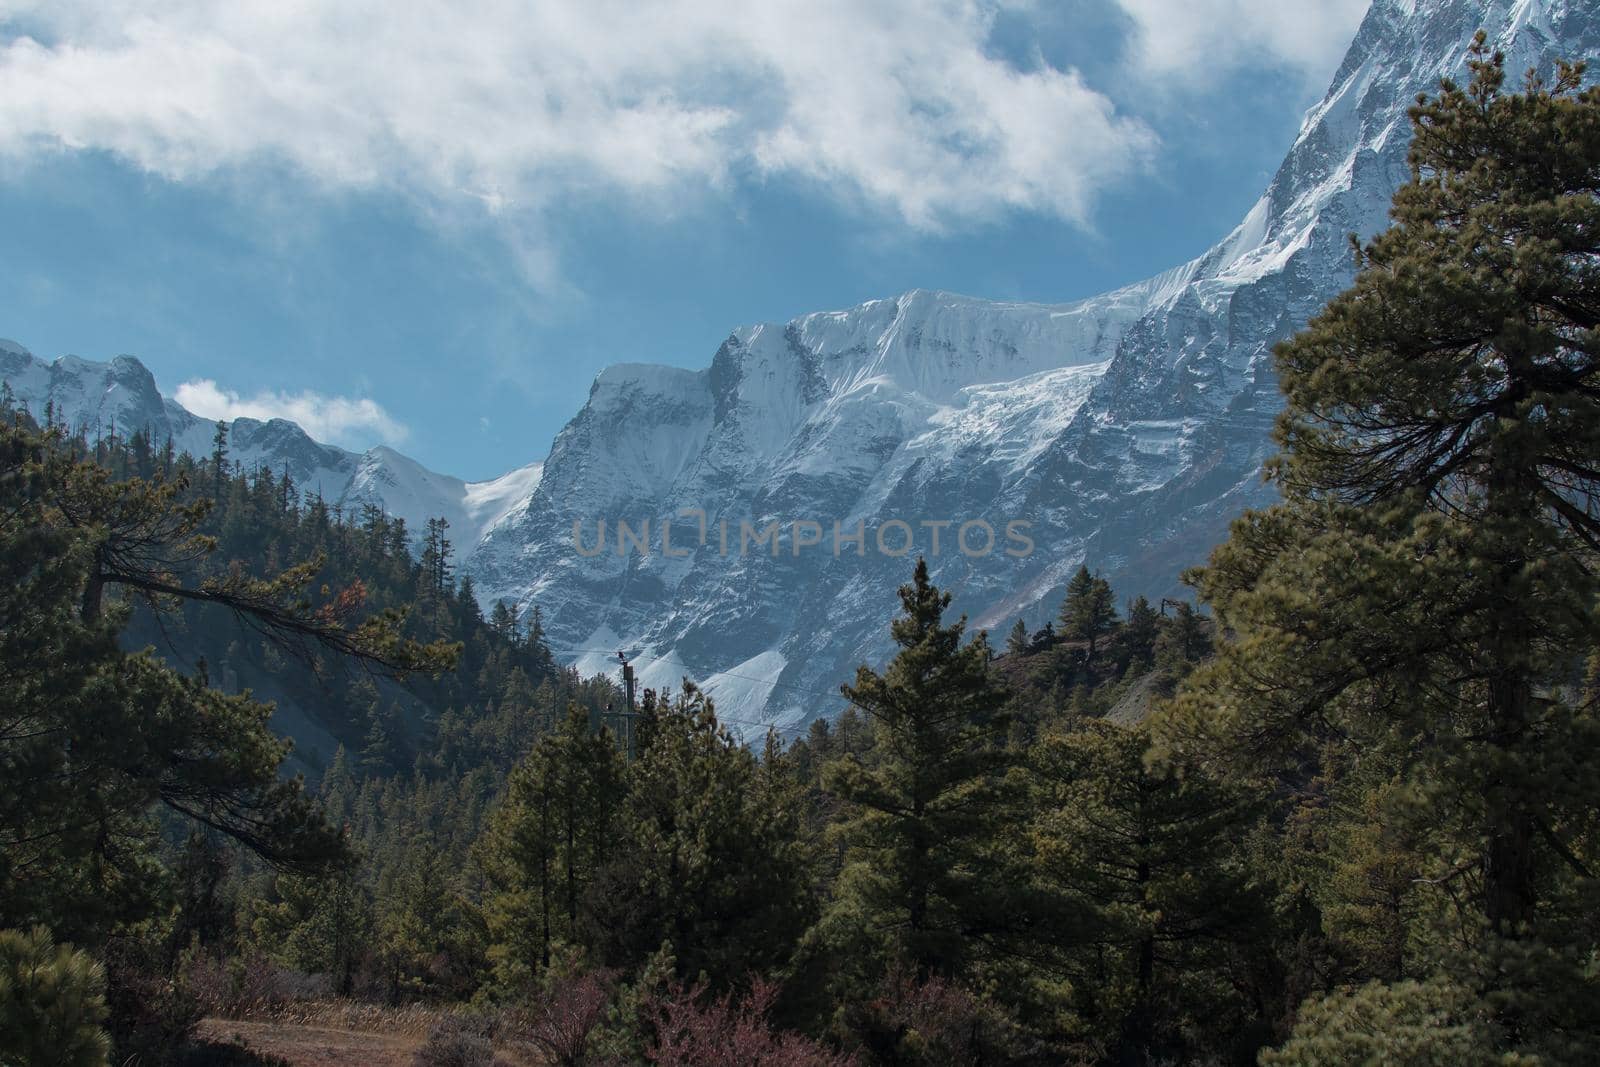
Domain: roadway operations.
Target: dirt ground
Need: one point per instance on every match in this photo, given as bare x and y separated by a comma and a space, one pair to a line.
314, 1046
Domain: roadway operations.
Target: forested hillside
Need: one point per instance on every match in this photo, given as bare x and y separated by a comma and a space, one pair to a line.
1343, 812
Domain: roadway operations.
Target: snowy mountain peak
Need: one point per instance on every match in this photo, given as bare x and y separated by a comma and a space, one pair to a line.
1126, 428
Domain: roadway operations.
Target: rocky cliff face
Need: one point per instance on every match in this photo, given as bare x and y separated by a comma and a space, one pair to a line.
1124, 431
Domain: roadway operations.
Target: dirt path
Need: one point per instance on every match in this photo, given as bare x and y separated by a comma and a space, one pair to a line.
314, 1046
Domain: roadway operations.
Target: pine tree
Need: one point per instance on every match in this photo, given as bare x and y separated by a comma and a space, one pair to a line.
922, 827
437, 572
1182, 643
52, 1002
1437, 1023
97, 737
1017, 640
1144, 627
338, 786
1427, 589
415, 929
705, 867
548, 842
1089, 610
1465, 380
383, 752
538, 644
1146, 886
219, 460
501, 620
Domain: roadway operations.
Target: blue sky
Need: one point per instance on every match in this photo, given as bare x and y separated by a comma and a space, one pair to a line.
434, 228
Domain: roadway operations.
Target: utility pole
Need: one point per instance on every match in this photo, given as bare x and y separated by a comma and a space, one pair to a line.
627, 680
628, 716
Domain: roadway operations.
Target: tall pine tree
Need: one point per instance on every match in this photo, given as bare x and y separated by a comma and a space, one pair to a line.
1089, 610
922, 830
1427, 591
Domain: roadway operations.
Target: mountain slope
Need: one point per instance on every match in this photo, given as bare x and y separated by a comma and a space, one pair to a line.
1127, 429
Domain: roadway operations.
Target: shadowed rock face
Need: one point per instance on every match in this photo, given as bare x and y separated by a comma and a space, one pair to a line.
1128, 429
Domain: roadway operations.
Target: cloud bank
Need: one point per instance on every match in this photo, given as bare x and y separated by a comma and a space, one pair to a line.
511, 102
1208, 37
515, 107
335, 419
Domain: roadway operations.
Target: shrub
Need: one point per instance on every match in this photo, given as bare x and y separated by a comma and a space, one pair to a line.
693, 1030
52, 1002
458, 1042
1437, 1023
565, 1015
249, 987
151, 1016
931, 1021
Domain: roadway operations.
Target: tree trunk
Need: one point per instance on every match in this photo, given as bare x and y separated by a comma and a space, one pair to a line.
544, 877
1510, 897
93, 592
1513, 515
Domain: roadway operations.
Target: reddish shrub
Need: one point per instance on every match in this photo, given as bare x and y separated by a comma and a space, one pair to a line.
561, 1023
251, 986
930, 1021
694, 1030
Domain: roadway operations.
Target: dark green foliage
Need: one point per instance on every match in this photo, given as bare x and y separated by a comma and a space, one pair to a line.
52, 1003
547, 844
1089, 610
1017, 641
1142, 631
708, 863
1437, 1023
1146, 890
1182, 644
1424, 599
94, 737
920, 829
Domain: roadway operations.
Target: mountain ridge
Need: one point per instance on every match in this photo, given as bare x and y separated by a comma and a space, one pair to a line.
1129, 427
120, 396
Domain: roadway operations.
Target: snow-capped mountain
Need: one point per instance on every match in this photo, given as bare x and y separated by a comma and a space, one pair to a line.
121, 397
1128, 429
1124, 431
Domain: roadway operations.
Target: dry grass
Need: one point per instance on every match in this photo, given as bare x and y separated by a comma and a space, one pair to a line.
314, 1046
410, 1020
315, 1033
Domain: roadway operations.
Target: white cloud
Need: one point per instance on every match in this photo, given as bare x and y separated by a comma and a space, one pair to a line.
1205, 37
515, 104
336, 419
